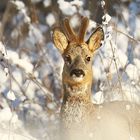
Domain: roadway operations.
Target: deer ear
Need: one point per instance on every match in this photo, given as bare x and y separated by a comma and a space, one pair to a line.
60, 40
95, 39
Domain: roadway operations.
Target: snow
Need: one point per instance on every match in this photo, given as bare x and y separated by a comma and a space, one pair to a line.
11, 96
102, 3
50, 19
75, 21
5, 115
3, 78
121, 56
2, 48
66, 7
34, 35
79, 3
47, 3
106, 19
20, 5
23, 63
31, 67
98, 97
137, 63
92, 24
132, 72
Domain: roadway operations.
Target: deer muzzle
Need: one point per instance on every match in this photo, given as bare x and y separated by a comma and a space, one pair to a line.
77, 74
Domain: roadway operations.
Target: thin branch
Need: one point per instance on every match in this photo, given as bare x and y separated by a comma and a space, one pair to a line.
129, 36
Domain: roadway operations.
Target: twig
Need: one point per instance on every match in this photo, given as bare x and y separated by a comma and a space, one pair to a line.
116, 66
129, 36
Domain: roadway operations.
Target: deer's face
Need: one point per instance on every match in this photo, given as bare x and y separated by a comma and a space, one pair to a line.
76, 53
78, 63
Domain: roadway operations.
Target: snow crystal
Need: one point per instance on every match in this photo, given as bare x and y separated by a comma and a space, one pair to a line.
27, 66
78, 3
30, 89
47, 3
51, 105
137, 63
35, 35
50, 19
121, 42
98, 97
74, 21
97, 71
20, 5
3, 77
11, 96
102, 3
6, 70
23, 63
137, 51
109, 29
66, 7
106, 18
27, 19
2, 48
92, 24
121, 59
125, 14
13, 56
132, 72
137, 33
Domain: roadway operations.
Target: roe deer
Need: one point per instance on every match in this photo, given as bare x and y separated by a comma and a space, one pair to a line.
80, 118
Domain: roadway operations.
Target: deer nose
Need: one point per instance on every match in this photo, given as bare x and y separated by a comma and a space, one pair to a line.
77, 72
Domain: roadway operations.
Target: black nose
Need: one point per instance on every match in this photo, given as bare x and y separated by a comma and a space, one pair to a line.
77, 72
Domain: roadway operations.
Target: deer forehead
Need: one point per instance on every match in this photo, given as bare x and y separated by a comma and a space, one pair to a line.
78, 49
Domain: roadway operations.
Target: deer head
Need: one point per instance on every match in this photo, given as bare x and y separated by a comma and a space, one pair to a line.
77, 53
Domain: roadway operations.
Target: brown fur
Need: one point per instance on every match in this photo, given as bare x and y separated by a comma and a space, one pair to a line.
80, 118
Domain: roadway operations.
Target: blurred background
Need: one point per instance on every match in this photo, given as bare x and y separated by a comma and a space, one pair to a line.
30, 65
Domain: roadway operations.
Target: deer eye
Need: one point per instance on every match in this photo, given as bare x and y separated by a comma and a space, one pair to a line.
67, 59
88, 58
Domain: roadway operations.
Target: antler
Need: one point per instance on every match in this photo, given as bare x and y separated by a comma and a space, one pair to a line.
69, 31
71, 36
83, 29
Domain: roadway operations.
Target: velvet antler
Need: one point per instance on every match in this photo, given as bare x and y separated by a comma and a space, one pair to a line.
71, 36
83, 29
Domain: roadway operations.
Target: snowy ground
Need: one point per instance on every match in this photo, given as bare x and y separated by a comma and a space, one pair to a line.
31, 67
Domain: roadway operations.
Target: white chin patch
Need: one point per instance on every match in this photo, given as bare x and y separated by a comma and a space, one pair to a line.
77, 79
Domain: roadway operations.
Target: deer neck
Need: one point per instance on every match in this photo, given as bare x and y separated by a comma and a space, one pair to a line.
76, 102
79, 92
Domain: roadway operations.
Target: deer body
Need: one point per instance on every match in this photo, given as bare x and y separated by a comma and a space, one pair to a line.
80, 118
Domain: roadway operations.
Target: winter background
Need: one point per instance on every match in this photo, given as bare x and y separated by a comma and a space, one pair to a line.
31, 67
